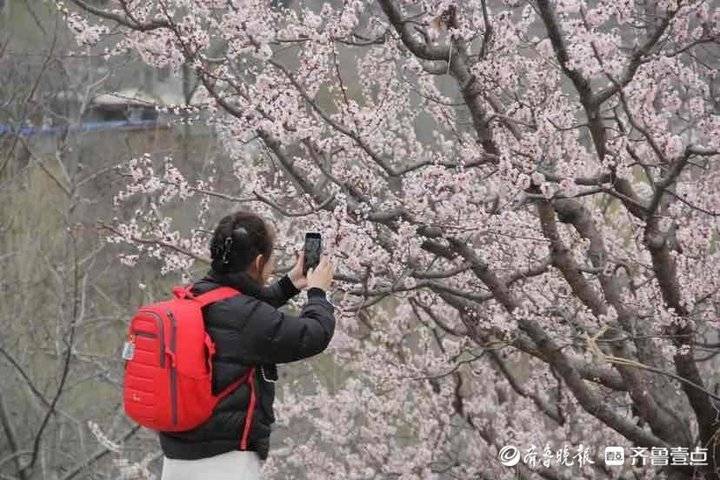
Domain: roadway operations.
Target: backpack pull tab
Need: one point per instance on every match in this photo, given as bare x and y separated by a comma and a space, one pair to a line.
211, 351
172, 358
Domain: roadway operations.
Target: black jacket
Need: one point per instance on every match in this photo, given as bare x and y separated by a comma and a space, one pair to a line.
249, 330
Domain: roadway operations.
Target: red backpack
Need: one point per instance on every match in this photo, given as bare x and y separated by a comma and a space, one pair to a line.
168, 369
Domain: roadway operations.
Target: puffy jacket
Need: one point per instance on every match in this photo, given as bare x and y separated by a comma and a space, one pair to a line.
248, 329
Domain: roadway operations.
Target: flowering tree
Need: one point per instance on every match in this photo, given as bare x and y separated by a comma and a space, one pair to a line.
521, 197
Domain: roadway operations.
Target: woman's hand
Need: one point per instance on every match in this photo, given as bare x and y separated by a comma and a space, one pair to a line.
322, 276
296, 273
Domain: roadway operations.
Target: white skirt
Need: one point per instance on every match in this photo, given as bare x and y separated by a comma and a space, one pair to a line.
235, 465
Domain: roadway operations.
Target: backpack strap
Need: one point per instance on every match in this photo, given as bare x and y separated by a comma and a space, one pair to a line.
251, 409
248, 378
215, 295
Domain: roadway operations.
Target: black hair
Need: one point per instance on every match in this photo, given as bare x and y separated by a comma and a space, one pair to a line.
237, 240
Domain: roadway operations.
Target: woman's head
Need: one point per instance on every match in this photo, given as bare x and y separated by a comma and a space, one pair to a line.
243, 242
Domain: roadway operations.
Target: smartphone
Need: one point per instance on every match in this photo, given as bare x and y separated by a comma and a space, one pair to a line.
313, 249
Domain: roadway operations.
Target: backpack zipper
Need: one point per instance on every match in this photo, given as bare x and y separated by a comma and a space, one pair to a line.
173, 373
140, 333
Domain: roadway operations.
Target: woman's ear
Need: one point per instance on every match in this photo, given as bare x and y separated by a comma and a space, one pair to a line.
259, 264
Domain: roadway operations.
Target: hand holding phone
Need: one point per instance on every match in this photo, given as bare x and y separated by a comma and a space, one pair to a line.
312, 250
322, 276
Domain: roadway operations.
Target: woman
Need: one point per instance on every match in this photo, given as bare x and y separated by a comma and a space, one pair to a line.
248, 330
